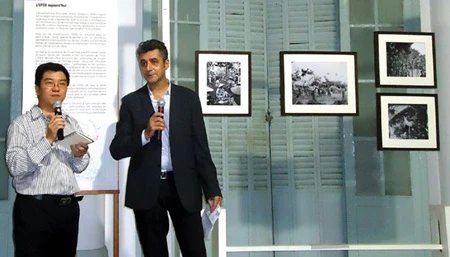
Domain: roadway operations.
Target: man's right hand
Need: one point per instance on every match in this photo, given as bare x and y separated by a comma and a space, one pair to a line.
56, 122
156, 122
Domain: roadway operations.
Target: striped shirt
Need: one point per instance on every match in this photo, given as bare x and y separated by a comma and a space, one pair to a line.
38, 167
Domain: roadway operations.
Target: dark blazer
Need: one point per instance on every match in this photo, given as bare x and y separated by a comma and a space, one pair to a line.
193, 168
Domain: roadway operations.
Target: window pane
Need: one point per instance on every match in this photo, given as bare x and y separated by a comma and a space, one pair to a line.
397, 173
150, 16
365, 124
7, 9
362, 43
369, 178
155, 30
171, 51
5, 49
172, 9
188, 43
361, 12
381, 28
5, 103
390, 12
4, 177
188, 10
187, 83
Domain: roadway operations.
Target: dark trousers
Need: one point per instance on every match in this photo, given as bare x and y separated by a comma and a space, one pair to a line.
44, 228
153, 225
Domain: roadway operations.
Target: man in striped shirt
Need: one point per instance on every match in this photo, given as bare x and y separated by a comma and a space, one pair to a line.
46, 212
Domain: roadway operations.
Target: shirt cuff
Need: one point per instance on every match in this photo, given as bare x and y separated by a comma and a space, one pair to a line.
144, 141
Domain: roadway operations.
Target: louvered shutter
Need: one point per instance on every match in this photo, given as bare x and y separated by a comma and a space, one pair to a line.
300, 165
307, 152
240, 145
331, 152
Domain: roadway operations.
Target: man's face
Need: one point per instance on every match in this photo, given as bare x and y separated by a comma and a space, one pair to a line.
52, 88
153, 67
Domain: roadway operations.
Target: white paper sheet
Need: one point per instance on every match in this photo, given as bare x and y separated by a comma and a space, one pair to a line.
208, 220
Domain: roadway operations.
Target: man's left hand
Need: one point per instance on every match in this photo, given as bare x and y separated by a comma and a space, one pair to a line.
79, 149
214, 202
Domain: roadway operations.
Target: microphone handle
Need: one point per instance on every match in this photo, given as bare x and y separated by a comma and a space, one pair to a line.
60, 134
159, 132
158, 135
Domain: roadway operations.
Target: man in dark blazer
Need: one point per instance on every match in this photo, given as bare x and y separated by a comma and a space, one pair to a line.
161, 128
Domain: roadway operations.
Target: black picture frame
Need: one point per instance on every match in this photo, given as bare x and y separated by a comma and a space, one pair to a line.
407, 121
405, 59
318, 83
223, 82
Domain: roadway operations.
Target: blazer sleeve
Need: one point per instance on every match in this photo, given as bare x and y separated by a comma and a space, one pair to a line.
127, 139
204, 162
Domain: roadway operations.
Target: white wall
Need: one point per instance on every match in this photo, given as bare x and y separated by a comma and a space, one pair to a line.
130, 34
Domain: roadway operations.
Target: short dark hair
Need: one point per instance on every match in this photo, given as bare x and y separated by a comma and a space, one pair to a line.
151, 45
49, 66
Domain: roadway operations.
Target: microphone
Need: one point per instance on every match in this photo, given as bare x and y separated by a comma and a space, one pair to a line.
161, 102
57, 108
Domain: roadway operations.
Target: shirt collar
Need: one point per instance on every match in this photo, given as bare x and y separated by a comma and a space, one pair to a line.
36, 113
169, 89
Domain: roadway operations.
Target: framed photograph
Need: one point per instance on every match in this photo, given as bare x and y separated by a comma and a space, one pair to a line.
318, 83
404, 59
407, 121
223, 82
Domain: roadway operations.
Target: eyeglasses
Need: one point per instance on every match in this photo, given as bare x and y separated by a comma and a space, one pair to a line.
51, 83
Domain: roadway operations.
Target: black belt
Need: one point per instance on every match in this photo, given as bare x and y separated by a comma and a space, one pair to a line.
58, 199
166, 174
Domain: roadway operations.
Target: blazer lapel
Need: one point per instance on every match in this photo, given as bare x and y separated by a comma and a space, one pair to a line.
175, 109
146, 103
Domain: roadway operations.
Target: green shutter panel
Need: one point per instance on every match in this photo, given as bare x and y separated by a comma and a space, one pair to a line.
307, 156
240, 145
331, 157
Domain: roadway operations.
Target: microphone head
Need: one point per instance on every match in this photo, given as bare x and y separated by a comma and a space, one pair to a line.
57, 104
161, 102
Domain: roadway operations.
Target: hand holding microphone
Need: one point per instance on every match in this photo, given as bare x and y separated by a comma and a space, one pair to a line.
57, 108
161, 102
156, 122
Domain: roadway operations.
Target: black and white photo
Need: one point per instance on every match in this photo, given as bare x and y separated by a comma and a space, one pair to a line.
318, 83
404, 59
223, 82
407, 121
